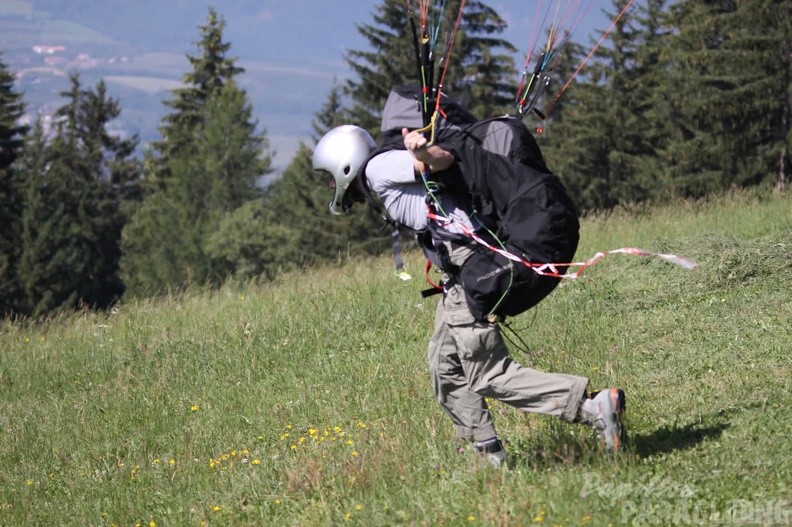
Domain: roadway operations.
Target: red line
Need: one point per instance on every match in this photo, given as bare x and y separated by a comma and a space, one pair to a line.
604, 35
448, 57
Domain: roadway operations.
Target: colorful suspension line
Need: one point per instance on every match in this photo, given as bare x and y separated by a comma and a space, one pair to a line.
564, 21
591, 53
554, 269
425, 44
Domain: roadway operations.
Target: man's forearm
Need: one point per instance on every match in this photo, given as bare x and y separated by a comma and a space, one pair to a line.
433, 156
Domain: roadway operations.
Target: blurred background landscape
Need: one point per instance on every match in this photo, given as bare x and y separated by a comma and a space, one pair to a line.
292, 52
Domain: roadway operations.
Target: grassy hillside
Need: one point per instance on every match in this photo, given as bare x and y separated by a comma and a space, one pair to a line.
307, 402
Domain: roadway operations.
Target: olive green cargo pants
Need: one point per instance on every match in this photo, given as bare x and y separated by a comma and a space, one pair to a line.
469, 361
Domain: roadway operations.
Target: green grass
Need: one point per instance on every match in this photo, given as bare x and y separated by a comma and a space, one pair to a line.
307, 401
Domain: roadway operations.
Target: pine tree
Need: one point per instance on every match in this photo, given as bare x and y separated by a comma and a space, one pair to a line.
228, 167
732, 68
211, 69
576, 145
52, 259
607, 129
74, 205
206, 167
485, 78
233, 150
330, 115
574, 136
12, 108
651, 65
304, 193
11, 141
631, 67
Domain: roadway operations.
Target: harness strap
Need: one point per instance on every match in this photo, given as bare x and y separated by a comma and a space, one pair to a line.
397, 255
396, 227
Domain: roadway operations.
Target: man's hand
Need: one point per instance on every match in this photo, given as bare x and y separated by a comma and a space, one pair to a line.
434, 156
414, 140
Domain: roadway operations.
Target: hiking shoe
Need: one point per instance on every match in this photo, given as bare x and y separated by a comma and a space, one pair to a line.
603, 411
493, 450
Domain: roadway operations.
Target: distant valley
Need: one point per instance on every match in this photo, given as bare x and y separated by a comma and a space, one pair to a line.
43, 47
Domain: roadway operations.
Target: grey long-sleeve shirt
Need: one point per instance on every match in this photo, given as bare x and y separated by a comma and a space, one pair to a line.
392, 176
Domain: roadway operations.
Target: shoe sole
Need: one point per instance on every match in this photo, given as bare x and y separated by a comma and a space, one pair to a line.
619, 401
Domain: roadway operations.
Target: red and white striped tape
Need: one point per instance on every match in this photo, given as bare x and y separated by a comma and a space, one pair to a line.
551, 269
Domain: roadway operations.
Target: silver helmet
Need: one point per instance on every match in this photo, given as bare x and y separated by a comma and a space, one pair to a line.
342, 152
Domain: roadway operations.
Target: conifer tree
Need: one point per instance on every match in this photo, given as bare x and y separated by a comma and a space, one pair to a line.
12, 108
485, 77
11, 141
652, 130
206, 167
576, 145
574, 140
730, 86
292, 227
74, 205
632, 68
211, 69
606, 131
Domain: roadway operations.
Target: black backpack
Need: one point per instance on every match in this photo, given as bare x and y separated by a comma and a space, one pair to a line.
501, 170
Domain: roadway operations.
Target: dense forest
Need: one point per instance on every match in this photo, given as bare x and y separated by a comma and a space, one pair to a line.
682, 100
